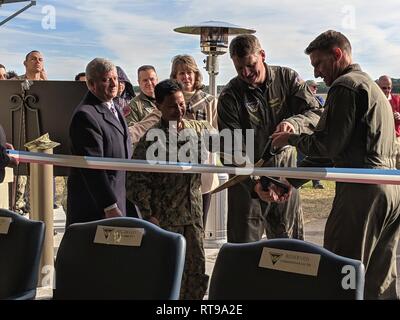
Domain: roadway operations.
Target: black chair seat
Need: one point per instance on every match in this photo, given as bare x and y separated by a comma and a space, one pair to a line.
20, 252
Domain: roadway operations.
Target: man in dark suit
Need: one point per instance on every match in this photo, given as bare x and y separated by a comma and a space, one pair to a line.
99, 130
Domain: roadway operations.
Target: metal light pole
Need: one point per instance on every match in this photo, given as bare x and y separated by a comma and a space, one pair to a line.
213, 42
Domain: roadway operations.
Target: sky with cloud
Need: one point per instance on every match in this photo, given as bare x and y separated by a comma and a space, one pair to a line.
136, 32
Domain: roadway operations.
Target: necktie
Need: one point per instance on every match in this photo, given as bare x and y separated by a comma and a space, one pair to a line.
113, 110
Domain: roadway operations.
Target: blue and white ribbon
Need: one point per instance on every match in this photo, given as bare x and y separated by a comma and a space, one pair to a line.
372, 176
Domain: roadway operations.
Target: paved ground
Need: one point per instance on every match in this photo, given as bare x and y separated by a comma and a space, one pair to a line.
313, 229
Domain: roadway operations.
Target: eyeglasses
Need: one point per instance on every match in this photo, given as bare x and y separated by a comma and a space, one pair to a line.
386, 88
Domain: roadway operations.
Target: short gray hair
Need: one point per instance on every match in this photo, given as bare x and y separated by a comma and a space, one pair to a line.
97, 67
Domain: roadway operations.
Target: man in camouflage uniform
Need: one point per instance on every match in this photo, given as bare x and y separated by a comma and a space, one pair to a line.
266, 99
143, 112
173, 200
356, 131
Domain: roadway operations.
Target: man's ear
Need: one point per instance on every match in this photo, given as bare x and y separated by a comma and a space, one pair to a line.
263, 55
89, 83
337, 53
24, 63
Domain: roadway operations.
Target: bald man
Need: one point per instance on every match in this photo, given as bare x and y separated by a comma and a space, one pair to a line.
385, 83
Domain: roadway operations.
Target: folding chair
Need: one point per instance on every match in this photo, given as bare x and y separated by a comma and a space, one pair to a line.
119, 258
284, 269
21, 243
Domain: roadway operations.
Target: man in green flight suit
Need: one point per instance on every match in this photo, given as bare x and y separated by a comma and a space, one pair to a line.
356, 130
265, 99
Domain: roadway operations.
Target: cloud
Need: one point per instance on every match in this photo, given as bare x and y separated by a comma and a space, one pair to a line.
132, 33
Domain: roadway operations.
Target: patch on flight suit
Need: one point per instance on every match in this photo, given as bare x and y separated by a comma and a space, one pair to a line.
252, 106
273, 103
252, 109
